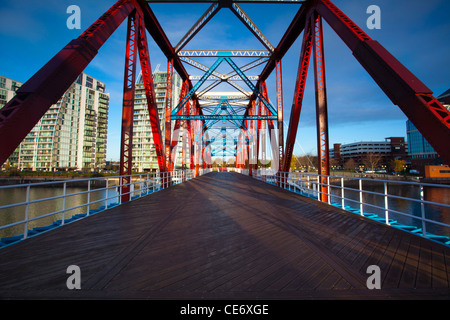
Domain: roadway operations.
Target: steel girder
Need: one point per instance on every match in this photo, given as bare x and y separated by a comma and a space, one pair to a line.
399, 84
212, 10
225, 1
403, 88
279, 76
147, 76
126, 147
298, 97
239, 12
321, 106
168, 111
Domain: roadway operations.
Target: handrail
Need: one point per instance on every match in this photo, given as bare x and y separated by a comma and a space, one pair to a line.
308, 184
147, 184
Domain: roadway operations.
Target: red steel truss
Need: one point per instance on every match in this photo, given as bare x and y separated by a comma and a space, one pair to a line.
126, 148
44, 88
321, 105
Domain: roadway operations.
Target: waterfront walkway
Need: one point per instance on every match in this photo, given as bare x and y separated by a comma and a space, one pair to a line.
225, 236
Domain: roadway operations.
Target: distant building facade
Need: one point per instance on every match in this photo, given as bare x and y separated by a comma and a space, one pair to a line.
388, 150
72, 134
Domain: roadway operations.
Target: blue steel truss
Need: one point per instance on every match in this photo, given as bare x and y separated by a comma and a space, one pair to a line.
224, 117
225, 53
204, 78
231, 109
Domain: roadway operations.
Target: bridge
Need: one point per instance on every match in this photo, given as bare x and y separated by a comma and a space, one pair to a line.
224, 234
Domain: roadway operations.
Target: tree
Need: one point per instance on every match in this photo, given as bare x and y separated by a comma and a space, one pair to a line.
334, 164
372, 160
350, 164
397, 165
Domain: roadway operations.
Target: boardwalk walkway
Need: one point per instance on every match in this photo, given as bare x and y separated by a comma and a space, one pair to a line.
225, 236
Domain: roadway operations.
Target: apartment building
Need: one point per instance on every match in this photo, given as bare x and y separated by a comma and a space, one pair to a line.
71, 135
144, 153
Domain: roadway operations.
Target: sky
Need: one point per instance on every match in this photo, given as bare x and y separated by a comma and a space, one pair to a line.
416, 32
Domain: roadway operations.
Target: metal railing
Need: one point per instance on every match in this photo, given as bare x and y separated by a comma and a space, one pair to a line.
98, 194
353, 194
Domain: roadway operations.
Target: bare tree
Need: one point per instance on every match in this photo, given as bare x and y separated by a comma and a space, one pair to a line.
350, 164
372, 160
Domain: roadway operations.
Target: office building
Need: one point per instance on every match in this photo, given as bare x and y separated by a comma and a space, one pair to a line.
388, 150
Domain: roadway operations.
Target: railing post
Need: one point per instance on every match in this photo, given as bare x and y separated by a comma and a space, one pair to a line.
360, 197
422, 209
153, 182
64, 204
120, 189
89, 196
25, 232
106, 194
386, 205
329, 190
318, 187
342, 193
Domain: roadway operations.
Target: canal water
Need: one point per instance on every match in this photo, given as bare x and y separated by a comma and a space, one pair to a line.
18, 195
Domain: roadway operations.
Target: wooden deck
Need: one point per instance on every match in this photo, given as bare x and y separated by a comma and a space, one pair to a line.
225, 236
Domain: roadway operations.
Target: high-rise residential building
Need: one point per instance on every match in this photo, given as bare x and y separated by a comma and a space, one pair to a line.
420, 150
8, 88
71, 135
144, 153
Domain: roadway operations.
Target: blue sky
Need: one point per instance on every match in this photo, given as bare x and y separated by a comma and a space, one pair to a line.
415, 32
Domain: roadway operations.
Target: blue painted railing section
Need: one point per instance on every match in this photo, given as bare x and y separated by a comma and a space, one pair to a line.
111, 193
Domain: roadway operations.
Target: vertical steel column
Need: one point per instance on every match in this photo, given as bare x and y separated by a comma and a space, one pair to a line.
302, 74
184, 137
147, 77
189, 135
321, 106
258, 126
280, 114
126, 149
168, 123
250, 135
176, 128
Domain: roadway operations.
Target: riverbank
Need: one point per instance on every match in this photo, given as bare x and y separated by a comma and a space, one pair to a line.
379, 176
75, 181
